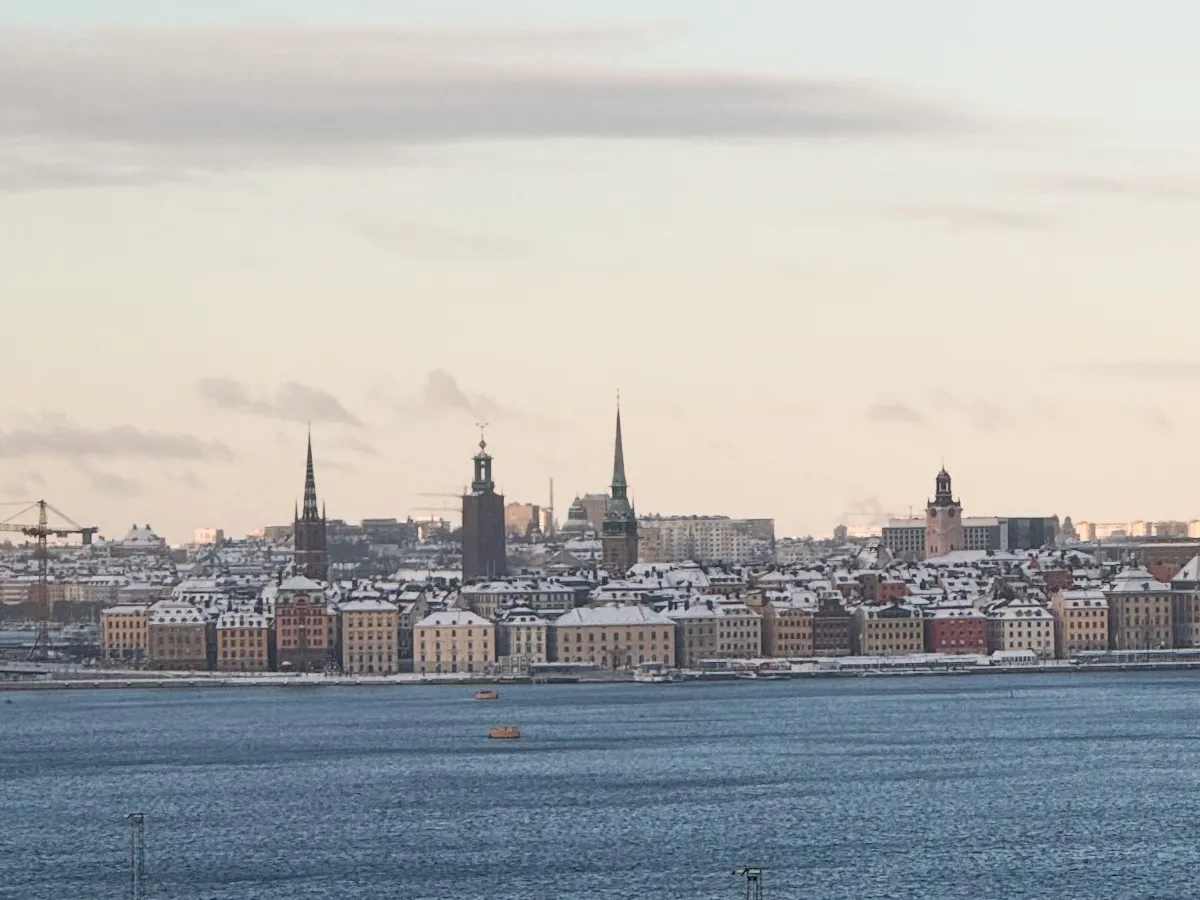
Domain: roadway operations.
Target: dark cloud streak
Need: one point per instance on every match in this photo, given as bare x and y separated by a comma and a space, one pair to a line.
55, 437
125, 105
290, 402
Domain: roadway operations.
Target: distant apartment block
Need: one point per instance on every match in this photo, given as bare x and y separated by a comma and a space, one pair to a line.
672, 539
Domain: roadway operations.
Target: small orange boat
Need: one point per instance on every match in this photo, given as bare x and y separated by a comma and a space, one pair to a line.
505, 733
487, 695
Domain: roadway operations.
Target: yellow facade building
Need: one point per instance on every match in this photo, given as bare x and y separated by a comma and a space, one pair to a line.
370, 637
1080, 622
177, 635
615, 637
894, 629
454, 641
243, 642
1141, 612
787, 628
123, 635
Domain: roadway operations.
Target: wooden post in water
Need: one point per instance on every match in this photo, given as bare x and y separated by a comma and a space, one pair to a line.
753, 876
137, 855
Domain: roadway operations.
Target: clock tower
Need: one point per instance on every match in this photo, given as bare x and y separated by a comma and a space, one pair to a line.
943, 520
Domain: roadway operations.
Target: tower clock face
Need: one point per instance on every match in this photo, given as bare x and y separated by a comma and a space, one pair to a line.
950, 513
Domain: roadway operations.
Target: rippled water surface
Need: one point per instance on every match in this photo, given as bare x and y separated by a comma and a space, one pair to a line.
1069, 786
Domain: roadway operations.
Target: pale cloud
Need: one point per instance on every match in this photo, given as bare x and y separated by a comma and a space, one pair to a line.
128, 105
188, 479
355, 445
1145, 369
333, 465
978, 217
441, 394
1149, 188
979, 412
54, 436
290, 402
424, 240
895, 414
110, 484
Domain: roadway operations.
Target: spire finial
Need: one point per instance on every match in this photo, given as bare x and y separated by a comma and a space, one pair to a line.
482, 426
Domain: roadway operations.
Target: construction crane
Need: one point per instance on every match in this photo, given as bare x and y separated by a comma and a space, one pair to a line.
41, 533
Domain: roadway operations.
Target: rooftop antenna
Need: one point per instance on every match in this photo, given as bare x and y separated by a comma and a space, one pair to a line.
137, 855
753, 876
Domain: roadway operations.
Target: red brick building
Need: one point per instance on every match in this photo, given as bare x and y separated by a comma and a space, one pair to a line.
956, 630
301, 626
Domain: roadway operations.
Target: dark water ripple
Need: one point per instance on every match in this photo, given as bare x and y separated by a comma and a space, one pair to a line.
938, 789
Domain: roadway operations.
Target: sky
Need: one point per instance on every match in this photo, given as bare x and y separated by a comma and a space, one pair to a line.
818, 248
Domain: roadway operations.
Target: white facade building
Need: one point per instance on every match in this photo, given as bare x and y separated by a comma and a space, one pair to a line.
667, 539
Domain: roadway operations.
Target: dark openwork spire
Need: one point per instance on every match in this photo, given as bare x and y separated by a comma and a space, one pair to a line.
620, 488
311, 513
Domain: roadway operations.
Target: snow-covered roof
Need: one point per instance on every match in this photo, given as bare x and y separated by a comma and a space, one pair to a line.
241, 620
1136, 581
139, 536
611, 615
368, 605
1190, 572
174, 614
128, 609
300, 583
1080, 599
452, 618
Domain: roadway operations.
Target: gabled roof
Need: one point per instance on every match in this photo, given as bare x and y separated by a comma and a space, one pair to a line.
1190, 572
612, 615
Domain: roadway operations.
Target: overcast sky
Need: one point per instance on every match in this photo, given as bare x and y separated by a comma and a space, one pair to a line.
818, 247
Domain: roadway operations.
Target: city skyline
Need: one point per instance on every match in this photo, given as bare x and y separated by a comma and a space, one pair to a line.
814, 263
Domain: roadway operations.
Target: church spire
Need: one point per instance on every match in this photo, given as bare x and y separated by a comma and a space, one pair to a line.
619, 486
311, 513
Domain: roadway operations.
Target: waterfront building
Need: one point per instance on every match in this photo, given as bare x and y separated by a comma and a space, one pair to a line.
959, 629
310, 550
522, 639
368, 632
412, 607
832, 628
710, 627
483, 537
303, 628
178, 636
1185, 586
787, 628
1021, 624
454, 641
243, 642
1080, 621
943, 520
892, 630
1140, 612
123, 634
619, 533
614, 637
695, 631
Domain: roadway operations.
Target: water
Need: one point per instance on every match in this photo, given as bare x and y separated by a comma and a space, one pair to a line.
1077, 786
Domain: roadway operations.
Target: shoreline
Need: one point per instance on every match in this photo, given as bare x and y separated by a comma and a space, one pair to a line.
125, 681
